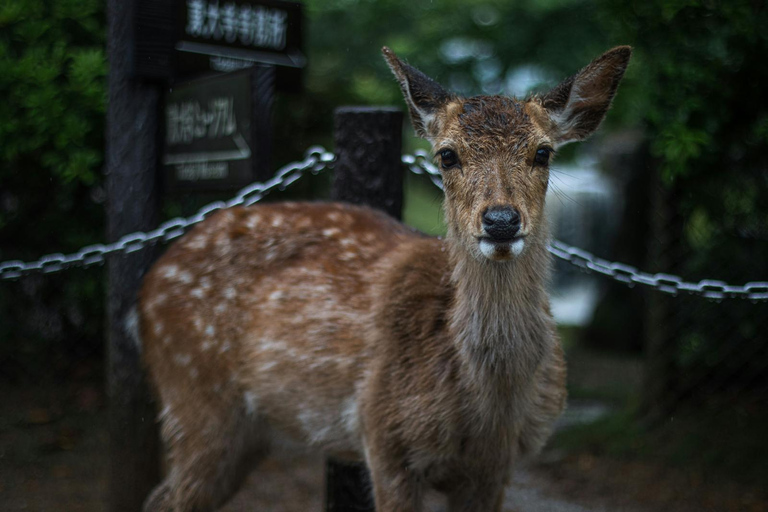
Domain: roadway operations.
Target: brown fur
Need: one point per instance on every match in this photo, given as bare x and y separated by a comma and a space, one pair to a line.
434, 361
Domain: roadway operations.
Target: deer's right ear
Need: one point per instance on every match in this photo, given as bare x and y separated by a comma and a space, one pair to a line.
423, 95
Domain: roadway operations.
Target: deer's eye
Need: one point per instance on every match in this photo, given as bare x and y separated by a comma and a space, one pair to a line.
448, 158
542, 156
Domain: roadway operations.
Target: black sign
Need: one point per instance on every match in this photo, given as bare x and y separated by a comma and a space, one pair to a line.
187, 36
208, 134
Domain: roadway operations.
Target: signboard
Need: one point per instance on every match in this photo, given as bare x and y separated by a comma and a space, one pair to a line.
184, 37
209, 141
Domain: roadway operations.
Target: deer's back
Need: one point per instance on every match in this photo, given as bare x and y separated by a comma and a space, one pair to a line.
266, 308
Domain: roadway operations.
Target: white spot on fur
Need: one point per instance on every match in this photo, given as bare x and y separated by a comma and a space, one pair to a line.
253, 221
276, 295
314, 427
347, 242
230, 293
169, 271
220, 308
198, 323
268, 366
348, 255
224, 347
273, 346
197, 243
131, 327
349, 415
185, 277
270, 255
158, 328
277, 220
250, 403
205, 283
206, 345
487, 247
193, 373
157, 300
210, 330
198, 292
331, 232
334, 216
182, 359
517, 246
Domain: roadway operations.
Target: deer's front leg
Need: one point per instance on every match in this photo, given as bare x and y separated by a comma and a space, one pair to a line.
395, 488
484, 497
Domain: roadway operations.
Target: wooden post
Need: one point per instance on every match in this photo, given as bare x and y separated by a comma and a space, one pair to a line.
368, 171
262, 99
368, 153
133, 204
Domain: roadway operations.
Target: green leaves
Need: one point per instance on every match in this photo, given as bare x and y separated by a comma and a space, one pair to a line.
52, 85
55, 89
679, 145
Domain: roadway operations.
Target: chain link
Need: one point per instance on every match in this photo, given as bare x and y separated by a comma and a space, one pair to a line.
317, 159
631, 276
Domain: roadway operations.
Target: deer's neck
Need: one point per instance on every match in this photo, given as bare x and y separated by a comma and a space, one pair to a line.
500, 318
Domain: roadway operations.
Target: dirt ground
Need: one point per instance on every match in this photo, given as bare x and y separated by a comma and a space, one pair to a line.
53, 448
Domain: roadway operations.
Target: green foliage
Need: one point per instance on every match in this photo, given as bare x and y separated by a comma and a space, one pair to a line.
703, 62
684, 441
705, 114
52, 81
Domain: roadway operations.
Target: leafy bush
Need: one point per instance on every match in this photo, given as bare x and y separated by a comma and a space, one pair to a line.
52, 81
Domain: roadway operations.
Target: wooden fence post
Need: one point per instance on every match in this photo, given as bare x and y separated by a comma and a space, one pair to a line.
133, 205
368, 157
368, 171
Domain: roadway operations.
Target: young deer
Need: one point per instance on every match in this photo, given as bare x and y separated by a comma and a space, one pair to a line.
437, 361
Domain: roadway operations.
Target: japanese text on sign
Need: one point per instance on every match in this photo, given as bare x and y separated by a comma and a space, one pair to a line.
259, 26
189, 120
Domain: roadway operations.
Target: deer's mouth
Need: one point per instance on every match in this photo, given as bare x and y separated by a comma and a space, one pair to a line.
501, 249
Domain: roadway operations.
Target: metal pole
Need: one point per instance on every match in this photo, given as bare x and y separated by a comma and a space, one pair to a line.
368, 171
133, 204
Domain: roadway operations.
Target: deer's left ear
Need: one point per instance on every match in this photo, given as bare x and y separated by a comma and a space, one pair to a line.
423, 95
578, 105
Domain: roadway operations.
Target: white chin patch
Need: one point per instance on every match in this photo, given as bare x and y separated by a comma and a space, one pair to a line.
517, 246
502, 251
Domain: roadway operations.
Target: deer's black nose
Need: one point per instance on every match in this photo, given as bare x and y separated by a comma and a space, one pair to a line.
501, 223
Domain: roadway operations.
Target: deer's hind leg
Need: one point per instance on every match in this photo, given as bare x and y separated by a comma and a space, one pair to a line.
209, 451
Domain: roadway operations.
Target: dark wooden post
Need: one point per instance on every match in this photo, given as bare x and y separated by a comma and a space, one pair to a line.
133, 204
368, 153
368, 171
262, 99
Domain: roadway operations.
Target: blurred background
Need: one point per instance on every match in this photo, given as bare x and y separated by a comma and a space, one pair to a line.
668, 395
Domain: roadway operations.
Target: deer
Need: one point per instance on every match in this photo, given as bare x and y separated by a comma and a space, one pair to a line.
436, 361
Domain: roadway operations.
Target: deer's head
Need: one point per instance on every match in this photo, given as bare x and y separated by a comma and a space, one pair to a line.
494, 152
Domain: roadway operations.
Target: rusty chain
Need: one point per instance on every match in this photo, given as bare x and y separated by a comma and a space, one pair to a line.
317, 159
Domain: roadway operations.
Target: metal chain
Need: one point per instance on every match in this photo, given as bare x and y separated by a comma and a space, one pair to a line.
316, 159
420, 163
